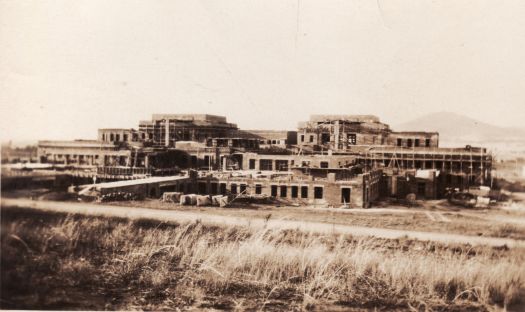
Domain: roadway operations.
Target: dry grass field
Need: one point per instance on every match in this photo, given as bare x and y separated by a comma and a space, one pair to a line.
437, 216
61, 261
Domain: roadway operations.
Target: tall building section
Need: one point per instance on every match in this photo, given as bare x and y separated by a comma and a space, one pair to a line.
347, 132
164, 130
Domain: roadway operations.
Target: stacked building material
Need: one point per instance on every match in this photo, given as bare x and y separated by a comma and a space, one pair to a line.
203, 200
171, 197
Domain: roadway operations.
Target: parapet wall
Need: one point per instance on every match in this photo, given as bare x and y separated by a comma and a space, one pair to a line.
190, 117
349, 118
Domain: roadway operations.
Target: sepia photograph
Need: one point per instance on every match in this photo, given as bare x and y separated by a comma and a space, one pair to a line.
262, 155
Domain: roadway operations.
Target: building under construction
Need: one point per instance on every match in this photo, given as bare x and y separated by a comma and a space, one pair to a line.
349, 159
349, 132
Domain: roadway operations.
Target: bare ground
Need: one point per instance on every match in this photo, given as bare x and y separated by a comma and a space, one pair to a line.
284, 220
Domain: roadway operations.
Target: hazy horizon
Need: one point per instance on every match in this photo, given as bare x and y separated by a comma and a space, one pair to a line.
69, 68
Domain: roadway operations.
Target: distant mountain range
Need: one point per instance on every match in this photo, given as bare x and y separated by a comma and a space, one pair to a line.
454, 127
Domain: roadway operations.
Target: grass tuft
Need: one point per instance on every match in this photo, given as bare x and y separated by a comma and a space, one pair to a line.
55, 260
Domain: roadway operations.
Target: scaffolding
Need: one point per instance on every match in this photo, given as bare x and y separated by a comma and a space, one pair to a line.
475, 163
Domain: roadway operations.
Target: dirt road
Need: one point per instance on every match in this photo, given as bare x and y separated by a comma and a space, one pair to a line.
307, 226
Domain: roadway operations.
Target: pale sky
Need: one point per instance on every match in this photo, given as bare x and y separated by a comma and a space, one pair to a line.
70, 67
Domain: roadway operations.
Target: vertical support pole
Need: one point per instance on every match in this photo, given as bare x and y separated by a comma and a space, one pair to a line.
481, 168
461, 162
336, 135
167, 134
224, 163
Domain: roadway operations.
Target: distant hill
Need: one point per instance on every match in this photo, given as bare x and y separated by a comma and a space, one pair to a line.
454, 127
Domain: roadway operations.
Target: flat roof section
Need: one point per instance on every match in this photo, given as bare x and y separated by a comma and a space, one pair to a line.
75, 143
139, 181
190, 117
351, 118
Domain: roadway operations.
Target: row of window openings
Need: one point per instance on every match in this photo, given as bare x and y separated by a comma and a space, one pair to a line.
417, 142
75, 155
280, 165
325, 138
311, 138
116, 137
282, 191
352, 139
271, 141
267, 164
276, 191
444, 165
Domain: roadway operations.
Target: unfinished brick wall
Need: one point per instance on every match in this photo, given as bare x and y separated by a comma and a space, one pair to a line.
413, 139
331, 191
371, 187
312, 161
